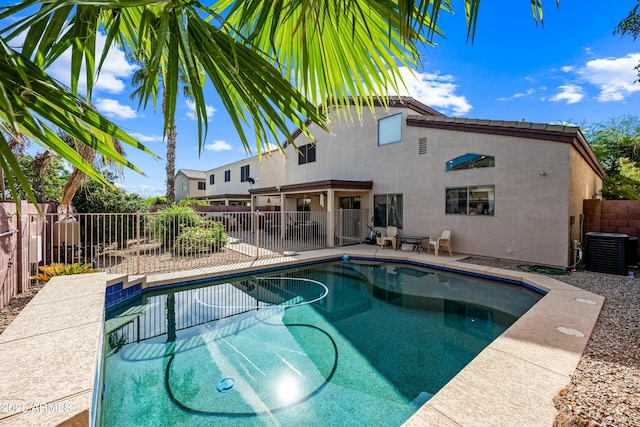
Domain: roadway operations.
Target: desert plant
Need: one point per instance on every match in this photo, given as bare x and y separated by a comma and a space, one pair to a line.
209, 236
168, 223
58, 269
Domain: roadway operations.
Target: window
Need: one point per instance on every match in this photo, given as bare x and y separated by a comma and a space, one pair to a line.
387, 210
471, 161
227, 175
303, 205
244, 173
390, 129
307, 154
184, 186
212, 179
201, 185
471, 200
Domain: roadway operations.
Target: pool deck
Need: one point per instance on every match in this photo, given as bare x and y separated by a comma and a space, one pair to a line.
50, 353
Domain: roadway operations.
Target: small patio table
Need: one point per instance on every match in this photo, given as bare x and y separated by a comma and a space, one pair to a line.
415, 240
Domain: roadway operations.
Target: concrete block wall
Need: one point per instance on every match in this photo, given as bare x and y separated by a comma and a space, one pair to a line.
14, 248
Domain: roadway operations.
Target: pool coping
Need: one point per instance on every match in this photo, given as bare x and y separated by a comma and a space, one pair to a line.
50, 354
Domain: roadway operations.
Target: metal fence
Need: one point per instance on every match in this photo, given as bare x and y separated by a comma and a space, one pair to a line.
143, 243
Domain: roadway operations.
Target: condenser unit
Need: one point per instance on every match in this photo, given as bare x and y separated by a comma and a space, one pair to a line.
607, 253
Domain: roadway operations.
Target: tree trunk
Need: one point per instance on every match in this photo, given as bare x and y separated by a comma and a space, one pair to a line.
171, 163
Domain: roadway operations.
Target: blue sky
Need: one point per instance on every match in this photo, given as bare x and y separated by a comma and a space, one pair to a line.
572, 69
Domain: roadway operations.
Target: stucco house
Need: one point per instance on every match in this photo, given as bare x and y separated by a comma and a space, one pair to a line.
189, 183
506, 189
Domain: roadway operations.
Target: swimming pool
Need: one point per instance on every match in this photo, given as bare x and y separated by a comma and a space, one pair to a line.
364, 341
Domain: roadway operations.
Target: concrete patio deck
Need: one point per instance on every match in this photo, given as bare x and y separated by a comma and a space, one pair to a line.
50, 354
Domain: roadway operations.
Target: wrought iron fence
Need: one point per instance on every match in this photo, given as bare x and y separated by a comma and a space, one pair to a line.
143, 243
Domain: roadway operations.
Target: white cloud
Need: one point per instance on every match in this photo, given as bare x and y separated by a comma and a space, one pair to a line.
191, 110
147, 138
567, 68
113, 108
114, 77
218, 145
615, 77
529, 92
435, 90
568, 93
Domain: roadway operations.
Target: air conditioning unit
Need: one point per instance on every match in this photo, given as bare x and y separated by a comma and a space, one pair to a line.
607, 253
632, 252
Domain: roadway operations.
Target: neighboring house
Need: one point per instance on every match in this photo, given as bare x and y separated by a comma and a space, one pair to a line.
189, 183
511, 190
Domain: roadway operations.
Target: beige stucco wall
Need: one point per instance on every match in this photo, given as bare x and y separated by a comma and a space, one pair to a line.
531, 179
268, 172
538, 184
584, 183
531, 194
192, 187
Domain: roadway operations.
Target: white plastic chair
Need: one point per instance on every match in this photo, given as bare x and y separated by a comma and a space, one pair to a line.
390, 236
444, 240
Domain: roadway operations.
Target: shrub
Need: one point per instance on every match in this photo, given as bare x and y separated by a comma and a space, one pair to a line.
57, 269
209, 236
169, 222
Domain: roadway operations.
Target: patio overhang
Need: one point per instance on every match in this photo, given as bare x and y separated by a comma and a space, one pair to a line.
314, 186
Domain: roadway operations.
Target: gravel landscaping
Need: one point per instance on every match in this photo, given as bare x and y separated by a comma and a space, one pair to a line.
605, 387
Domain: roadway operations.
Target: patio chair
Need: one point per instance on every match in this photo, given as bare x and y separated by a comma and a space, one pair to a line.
444, 240
390, 236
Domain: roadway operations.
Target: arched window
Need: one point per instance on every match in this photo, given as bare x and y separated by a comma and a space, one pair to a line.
471, 161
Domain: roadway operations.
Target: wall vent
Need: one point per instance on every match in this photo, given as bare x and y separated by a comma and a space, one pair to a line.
422, 146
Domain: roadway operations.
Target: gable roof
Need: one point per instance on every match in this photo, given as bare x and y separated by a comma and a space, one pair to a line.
192, 174
541, 131
392, 101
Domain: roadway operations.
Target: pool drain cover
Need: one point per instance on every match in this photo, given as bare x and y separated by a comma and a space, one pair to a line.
225, 385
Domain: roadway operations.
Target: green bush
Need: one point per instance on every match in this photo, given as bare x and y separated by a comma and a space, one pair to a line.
207, 237
171, 221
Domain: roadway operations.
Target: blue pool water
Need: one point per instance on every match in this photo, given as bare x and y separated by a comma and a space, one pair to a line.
357, 343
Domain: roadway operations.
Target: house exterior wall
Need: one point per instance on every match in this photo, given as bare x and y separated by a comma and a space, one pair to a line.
539, 184
584, 184
534, 191
530, 194
191, 187
268, 173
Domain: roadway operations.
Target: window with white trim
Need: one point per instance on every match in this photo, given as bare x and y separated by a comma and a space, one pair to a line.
390, 129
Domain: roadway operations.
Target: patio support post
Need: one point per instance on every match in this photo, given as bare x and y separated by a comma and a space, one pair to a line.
331, 221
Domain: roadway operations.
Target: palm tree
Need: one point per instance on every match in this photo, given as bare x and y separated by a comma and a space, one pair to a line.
137, 81
271, 63
90, 156
42, 162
